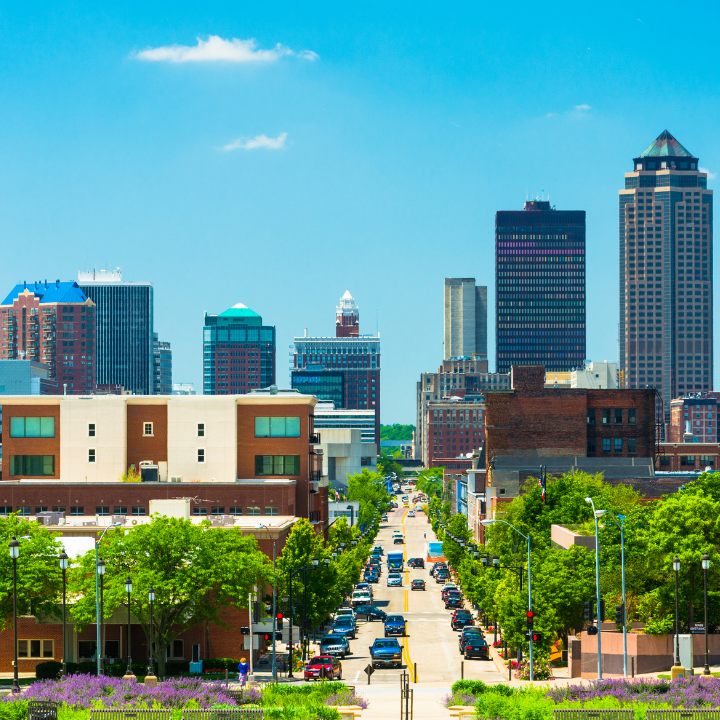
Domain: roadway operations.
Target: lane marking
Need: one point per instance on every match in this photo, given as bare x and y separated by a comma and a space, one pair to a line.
357, 676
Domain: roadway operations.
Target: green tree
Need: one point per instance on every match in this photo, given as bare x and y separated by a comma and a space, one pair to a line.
196, 571
370, 490
430, 482
386, 466
39, 578
396, 431
457, 526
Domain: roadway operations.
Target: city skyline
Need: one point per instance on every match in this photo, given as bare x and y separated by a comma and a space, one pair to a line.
370, 152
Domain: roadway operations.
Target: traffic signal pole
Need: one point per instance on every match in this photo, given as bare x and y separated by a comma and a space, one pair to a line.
530, 642
274, 616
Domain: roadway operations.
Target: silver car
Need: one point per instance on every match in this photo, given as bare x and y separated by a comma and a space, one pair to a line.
394, 580
335, 645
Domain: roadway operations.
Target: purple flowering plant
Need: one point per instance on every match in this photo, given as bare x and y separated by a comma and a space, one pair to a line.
346, 697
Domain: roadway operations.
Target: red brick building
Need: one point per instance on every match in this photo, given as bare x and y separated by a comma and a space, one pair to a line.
694, 419
687, 457
52, 323
455, 426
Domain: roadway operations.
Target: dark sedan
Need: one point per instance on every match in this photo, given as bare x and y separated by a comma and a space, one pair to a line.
416, 563
370, 612
453, 601
417, 585
475, 646
461, 619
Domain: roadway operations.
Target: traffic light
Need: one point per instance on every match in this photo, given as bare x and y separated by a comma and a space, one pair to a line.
534, 635
620, 614
530, 617
592, 630
601, 611
279, 621
588, 614
278, 636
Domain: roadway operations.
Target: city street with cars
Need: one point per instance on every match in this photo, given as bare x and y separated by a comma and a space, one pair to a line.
429, 642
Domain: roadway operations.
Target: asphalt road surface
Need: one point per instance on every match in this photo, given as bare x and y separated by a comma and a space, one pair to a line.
431, 644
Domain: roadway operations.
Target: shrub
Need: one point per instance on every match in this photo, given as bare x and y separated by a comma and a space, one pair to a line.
49, 670
219, 664
542, 670
471, 687
13, 711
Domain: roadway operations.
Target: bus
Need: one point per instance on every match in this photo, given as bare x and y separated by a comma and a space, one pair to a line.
395, 561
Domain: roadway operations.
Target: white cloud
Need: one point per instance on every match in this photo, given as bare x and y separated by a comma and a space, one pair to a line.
216, 49
259, 141
582, 108
711, 175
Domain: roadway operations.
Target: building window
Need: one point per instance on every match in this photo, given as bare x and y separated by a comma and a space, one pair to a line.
91, 455
201, 429
606, 445
606, 417
253, 510
277, 464
591, 446
41, 509
36, 649
707, 460
32, 465
58, 508
664, 461
102, 510
24, 511
177, 651
147, 429
5, 510
77, 510
277, 427
632, 445
202, 511
91, 429
217, 511
617, 416
21, 427
632, 416
272, 511
138, 511
235, 510
687, 460
591, 416
201, 455
617, 446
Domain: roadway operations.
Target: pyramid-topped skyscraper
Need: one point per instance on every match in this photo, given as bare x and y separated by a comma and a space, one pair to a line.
666, 287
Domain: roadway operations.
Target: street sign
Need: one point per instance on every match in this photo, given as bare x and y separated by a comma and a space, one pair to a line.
369, 670
697, 628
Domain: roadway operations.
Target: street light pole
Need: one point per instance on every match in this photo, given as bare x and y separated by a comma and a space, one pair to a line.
676, 670
151, 669
15, 554
706, 567
597, 587
97, 594
64, 561
101, 653
527, 537
129, 675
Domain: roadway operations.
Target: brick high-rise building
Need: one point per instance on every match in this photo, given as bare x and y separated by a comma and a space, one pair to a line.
455, 427
666, 286
540, 287
124, 330
52, 323
238, 352
344, 369
465, 319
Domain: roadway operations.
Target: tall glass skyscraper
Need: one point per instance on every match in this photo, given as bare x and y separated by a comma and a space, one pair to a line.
666, 276
125, 343
540, 287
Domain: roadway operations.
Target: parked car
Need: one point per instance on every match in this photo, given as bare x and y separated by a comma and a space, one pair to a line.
345, 611
323, 666
394, 580
384, 517
441, 576
395, 625
475, 645
377, 550
386, 652
364, 586
417, 585
460, 619
371, 612
371, 576
336, 645
416, 563
436, 566
468, 630
453, 600
360, 597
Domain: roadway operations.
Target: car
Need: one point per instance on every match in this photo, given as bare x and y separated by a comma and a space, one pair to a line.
323, 666
371, 577
336, 645
449, 589
364, 586
394, 580
441, 576
450, 586
475, 645
371, 612
345, 611
360, 597
377, 550
453, 601
468, 630
416, 563
417, 585
436, 566
346, 625
398, 539
384, 517
395, 625
411, 513
386, 652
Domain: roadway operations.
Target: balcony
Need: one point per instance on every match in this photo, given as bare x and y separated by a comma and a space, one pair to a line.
315, 516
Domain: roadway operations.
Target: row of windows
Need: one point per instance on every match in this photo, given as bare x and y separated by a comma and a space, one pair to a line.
612, 446
613, 416
202, 511
32, 465
277, 464
32, 427
277, 427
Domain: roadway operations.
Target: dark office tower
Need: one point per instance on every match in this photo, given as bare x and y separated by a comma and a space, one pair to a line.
666, 281
124, 330
162, 358
238, 352
540, 287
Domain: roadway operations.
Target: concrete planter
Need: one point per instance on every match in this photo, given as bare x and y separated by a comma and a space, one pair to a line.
462, 711
648, 653
349, 712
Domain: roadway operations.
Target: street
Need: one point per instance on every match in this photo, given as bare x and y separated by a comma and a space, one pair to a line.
431, 643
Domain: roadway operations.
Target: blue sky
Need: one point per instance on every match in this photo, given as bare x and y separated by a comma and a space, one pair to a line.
365, 147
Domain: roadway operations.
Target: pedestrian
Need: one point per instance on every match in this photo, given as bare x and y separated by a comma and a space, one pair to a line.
424, 535
243, 670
